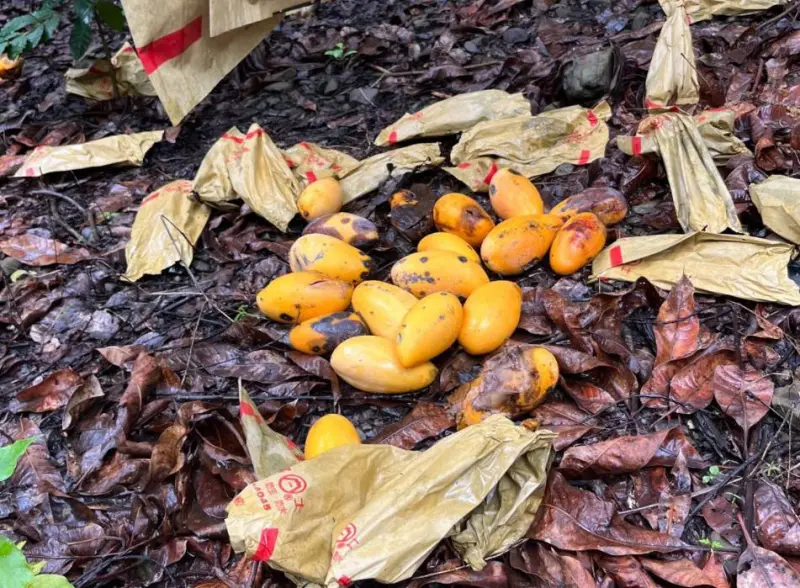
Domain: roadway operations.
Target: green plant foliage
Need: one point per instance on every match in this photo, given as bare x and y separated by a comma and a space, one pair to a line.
25, 32
9, 456
16, 572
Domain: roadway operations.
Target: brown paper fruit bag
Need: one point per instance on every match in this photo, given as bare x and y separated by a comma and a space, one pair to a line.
530, 145
778, 201
376, 512
95, 81
251, 167
454, 115
165, 229
310, 162
728, 265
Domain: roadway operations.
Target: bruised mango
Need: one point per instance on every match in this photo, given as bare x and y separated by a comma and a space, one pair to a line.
370, 364
577, 243
382, 306
491, 315
461, 215
512, 382
322, 334
448, 242
607, 204
513, 194
320, 198
352, 229
329, 432
428, 329
517, 243
438, 271
330, 256
301, 296
412, 211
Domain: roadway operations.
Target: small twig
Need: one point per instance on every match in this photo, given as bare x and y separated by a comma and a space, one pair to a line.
68, 199
191, 347
775, 19
62, 223
655, 504
107, 50
417, 72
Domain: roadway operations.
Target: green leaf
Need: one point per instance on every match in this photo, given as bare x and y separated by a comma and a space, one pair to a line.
9, 456
80, 39
111, 14
14, 570
51, 25
17, 24
84, 11
50, 581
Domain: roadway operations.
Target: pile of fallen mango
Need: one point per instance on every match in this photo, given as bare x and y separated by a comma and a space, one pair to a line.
385, 344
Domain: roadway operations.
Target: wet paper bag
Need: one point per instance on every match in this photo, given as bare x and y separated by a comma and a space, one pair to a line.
699, 10
455, 115
778, 200
165, 229
370, 173
702, 201
95, 81
179, 54
251, 167
269, 451
530, 145
310, 162
716, 128
729, 265
115, 150
227, 15
672, 77
376, 512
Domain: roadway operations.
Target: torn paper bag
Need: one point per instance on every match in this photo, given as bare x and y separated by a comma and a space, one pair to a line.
115, 150
530, 145
310, 162
165, 229
455, 115
702, 201
251, 167
362, 512
179, 54
672, 77
699, 10
728, 265
95, 81
370, 173
778, 200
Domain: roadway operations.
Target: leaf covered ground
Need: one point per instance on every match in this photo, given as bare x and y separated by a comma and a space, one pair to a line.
675, 417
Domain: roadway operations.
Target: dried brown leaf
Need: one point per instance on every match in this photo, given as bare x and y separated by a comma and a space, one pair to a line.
566, 420
626, 571
628, 454
678, 327
691, 389
89, 390
50, 394
425, 420
577, 520
683, 572
777, 523
31, 249
550, 567
760, 568
589, 397
745, 396
720, 514
168, 457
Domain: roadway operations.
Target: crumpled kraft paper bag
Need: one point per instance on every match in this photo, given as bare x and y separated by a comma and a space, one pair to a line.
702, 201
95, 81
672, 77
778, 200
226, 15
376, 512
251, 167
455, 115
117, 149
165, 229
530, 145
699, 10
729, 265
310, 162
370, 173
269, 451
182, 59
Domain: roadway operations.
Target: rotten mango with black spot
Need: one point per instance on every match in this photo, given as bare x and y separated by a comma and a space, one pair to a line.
518, 243
461, 215
441, 241
429, 329
330, 256
321, 335
512, 194
577, 243
512, 382
300, 296
606, 203
438, 271
352, 229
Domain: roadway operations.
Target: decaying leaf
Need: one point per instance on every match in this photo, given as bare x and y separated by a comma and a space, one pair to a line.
32, 249
776, 522
684, 573
578, 520
89, 390
549, 566
758, 567
628, 454
566, 420
626, 571
52, 393
677, 327
425, 420
744, 396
